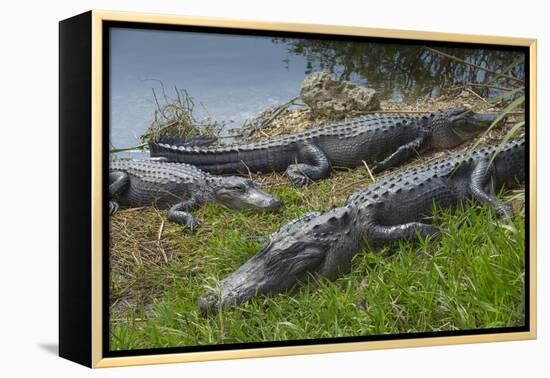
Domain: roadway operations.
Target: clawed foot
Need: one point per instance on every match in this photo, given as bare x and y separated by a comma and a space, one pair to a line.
297, 178
113, 207
191, 223
430, 230
299, 181
504, 211
258, 238
184, 219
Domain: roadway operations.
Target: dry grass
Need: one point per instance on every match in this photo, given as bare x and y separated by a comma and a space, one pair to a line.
177, 116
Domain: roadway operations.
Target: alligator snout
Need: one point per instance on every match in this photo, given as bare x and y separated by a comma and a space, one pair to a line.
308, 246
232, 291
484, 120
475, 124
274, 204
257, 199
239, 193
254, 276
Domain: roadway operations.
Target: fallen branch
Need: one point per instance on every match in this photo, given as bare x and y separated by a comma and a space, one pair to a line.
138, 147
449, 56
274, 114
397, 111
353, 184
489, 86
477, 95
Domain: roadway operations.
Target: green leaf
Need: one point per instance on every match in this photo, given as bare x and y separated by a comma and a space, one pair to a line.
508, 68
513, 131
505, 95
511, 106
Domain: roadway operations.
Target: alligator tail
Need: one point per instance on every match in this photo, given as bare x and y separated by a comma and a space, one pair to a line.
186, 141
213, 159
252, 157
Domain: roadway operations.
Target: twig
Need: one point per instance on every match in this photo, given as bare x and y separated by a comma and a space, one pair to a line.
278, 111
475, 94
390, 111
397, 111
138, 147
248, 169
135, 258
449, 56
131, 209
161, 228
125, 320
345, 188
274, 114
368, 170
489, 86
157, 102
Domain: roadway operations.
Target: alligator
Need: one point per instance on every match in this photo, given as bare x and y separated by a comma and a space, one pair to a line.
391, 209
380, 140
180, 187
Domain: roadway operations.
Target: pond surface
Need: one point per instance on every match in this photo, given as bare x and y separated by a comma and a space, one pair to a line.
236, 77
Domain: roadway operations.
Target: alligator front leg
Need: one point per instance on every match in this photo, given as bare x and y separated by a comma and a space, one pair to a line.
482, 189
178, 215
379, 234
315, 165
401, 155
118, 183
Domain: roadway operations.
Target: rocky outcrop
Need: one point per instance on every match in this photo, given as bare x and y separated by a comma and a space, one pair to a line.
327, 96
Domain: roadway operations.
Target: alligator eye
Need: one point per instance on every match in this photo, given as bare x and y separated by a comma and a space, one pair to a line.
239, 188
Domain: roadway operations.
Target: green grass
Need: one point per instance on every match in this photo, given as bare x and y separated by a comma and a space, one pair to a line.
471, 277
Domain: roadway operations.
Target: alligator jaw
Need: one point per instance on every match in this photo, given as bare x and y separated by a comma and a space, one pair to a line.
260, 200
239, 193
482, 120
272, 269
470, 124
236, 288
316, 243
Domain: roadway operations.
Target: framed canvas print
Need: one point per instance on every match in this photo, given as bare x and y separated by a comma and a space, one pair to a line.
234, 189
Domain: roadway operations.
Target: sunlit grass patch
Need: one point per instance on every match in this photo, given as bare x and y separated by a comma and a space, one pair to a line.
469, 277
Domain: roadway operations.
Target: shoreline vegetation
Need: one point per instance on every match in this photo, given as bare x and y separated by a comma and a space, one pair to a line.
471, 277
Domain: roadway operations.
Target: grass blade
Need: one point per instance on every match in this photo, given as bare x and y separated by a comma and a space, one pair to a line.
513, 131
511, 106
508, 68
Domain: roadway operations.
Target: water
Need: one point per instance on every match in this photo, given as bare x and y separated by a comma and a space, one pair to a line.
236, 77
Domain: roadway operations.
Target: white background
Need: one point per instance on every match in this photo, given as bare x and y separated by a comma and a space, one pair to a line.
28, 158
